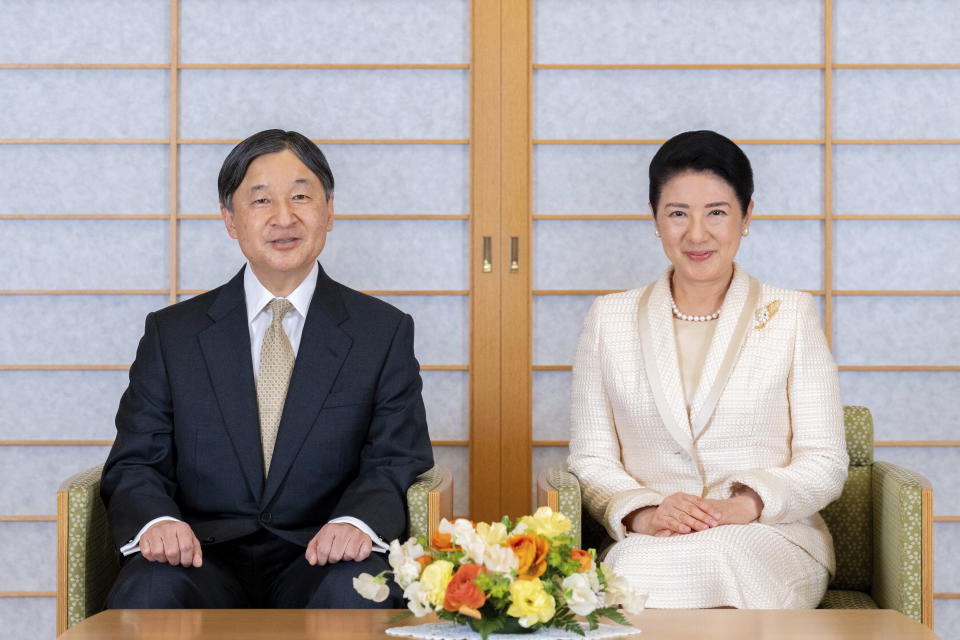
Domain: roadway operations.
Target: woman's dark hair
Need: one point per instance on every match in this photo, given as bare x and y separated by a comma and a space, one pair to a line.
271, 141
702, 151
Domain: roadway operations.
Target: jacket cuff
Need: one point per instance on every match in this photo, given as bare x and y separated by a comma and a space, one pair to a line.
622, 504
768, 487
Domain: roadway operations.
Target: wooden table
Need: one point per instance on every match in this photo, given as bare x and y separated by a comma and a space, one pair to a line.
715, 624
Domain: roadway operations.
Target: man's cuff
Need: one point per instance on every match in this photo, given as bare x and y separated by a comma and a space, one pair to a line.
378, 544
133, 546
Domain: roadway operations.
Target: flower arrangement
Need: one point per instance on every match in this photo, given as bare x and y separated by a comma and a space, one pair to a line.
504, 577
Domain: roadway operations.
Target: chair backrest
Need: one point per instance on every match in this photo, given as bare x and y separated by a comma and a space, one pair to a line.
850, 517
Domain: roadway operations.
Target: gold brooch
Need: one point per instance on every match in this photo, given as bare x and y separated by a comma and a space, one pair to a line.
765, 314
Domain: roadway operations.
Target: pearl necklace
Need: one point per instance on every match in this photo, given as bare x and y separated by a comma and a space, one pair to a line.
683, 316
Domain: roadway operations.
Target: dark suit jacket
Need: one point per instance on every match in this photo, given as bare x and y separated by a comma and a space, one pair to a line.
352, 438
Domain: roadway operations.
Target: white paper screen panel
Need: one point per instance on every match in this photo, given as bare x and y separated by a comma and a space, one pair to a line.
557, 322
946, 541
103, 329
325, 31
893, 31
441, 327
896, 179
24, 567
422, 103
74, 103
85, 179
896, 330
379, 179
906, 405
895, 103
31, 475
29, 618
588, 104
677, 32
612, 179
363, 254
84, 254
946, 613
69, 405
85, 31
446, 395
551, 405
939, 465
895, 254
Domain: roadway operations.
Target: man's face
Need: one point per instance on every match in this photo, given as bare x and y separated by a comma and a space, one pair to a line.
280, 218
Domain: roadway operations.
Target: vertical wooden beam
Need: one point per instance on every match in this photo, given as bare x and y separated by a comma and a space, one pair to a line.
828, 170
485, 481
63, 559
174, 147
516, 150
926, 555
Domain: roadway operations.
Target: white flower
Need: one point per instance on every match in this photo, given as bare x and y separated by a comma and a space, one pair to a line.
520, 528
619, 591
464, 536
371, 588
579, 595
403, 561
418, 599
500, 560
492, 534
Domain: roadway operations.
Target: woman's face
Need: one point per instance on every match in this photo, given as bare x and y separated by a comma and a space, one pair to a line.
700, 223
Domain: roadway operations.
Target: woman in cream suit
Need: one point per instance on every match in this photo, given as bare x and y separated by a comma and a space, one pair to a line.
707, 429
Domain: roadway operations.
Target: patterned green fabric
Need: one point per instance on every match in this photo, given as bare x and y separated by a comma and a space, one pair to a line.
568, 489
850, 520
418, 520
897, 532
859, 427
92, 561
841, 599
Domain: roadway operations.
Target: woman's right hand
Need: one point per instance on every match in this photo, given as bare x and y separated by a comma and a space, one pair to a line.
678, 513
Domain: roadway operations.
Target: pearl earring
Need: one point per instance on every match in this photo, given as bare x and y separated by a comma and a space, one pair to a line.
656, 232
746, 231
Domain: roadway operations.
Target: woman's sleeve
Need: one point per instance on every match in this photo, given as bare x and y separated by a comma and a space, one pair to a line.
609, 492
818, 465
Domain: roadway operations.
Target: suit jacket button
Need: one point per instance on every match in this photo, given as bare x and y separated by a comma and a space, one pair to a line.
209, 539
265, 517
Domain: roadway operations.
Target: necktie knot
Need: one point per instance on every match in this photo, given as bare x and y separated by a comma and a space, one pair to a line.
280, 307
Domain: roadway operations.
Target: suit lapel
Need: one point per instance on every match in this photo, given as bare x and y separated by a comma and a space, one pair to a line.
659, 346
735, 315
323, 349
226, 349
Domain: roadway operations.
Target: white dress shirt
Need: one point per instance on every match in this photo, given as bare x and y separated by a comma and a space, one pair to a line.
259, 317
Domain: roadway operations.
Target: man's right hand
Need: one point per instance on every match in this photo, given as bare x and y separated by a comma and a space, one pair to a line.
171, 542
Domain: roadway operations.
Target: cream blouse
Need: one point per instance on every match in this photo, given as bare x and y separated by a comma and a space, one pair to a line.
693, 343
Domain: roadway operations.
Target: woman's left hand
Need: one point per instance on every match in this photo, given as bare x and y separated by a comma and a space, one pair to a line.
743, 507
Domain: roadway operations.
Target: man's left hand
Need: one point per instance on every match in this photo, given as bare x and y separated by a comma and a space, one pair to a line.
338, 541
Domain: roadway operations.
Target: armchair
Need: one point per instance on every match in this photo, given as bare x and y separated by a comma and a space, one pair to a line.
882, 528
87, 562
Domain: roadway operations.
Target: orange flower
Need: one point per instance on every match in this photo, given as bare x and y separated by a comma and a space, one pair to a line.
583, 557
462, 594
442, 542
424, 560
531, 551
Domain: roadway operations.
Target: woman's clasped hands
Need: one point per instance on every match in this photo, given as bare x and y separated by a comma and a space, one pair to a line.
682, 513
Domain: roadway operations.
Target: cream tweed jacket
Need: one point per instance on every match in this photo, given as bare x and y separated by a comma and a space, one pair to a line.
766, 414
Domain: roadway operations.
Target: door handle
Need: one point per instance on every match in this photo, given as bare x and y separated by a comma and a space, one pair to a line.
487, 264
514, 254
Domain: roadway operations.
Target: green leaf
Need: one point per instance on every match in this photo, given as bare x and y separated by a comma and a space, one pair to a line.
613, 614
401, 616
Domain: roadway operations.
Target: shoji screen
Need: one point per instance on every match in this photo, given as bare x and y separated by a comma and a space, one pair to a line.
115, 118
849, 117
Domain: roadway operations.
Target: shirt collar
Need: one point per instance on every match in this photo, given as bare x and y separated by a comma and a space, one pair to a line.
258, 296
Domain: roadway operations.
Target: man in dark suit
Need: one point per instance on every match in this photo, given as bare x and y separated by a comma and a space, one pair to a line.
272, 425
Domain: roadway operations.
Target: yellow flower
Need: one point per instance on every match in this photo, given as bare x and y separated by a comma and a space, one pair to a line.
434, 580
546, 522
530, 603
492, 534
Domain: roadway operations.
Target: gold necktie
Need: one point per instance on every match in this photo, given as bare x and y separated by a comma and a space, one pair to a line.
276, 365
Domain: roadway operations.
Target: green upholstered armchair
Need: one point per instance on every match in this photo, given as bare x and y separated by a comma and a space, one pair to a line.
882, 527
87, 561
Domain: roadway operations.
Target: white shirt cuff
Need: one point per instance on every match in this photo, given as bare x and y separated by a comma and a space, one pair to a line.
133, 546
378, 544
